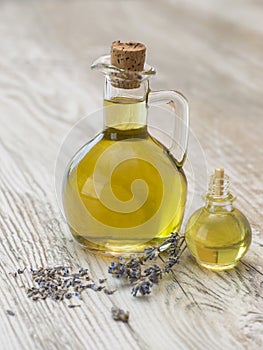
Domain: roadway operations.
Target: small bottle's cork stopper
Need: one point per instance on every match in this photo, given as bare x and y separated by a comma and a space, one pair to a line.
130, 57
219, 176
219, 173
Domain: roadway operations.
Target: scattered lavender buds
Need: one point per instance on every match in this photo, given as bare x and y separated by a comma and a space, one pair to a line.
142, 279
119, 314
60, 283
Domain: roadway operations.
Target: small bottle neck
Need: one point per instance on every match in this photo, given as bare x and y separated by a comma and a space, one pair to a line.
125, 109
218, 197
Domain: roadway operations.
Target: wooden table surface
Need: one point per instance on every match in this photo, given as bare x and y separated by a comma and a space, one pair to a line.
212, 51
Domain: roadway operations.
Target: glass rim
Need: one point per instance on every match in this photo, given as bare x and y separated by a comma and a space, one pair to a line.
103, 64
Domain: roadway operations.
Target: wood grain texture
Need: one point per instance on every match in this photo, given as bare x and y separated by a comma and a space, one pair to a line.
212, 51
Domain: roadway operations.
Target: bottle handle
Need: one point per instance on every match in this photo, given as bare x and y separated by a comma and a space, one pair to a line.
178, 103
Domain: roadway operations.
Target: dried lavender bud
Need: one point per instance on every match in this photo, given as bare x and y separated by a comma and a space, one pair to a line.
121, 259
109, 291
119, 314
19, 271
78, 294
134, 262
151, 253
73, 306
173, 251
13, 274
102, 280
10, 312
98, 288
116, 268
134, 274
170, 242
154, 273
172, 239
143, 287
170, 263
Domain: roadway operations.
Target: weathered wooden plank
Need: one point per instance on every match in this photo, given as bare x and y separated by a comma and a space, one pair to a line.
210, 50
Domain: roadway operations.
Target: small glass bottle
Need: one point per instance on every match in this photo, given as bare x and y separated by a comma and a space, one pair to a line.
218, 235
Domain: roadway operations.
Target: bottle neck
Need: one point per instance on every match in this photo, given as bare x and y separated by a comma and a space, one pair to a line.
125, 109
218, 197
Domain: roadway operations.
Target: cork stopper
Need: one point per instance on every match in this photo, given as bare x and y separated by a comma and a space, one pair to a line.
130, 57
219, 176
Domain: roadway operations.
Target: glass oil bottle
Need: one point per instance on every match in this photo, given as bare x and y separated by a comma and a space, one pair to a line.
123, 190
218, 234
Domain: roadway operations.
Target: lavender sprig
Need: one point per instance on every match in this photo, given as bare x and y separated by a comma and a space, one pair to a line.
142, 279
